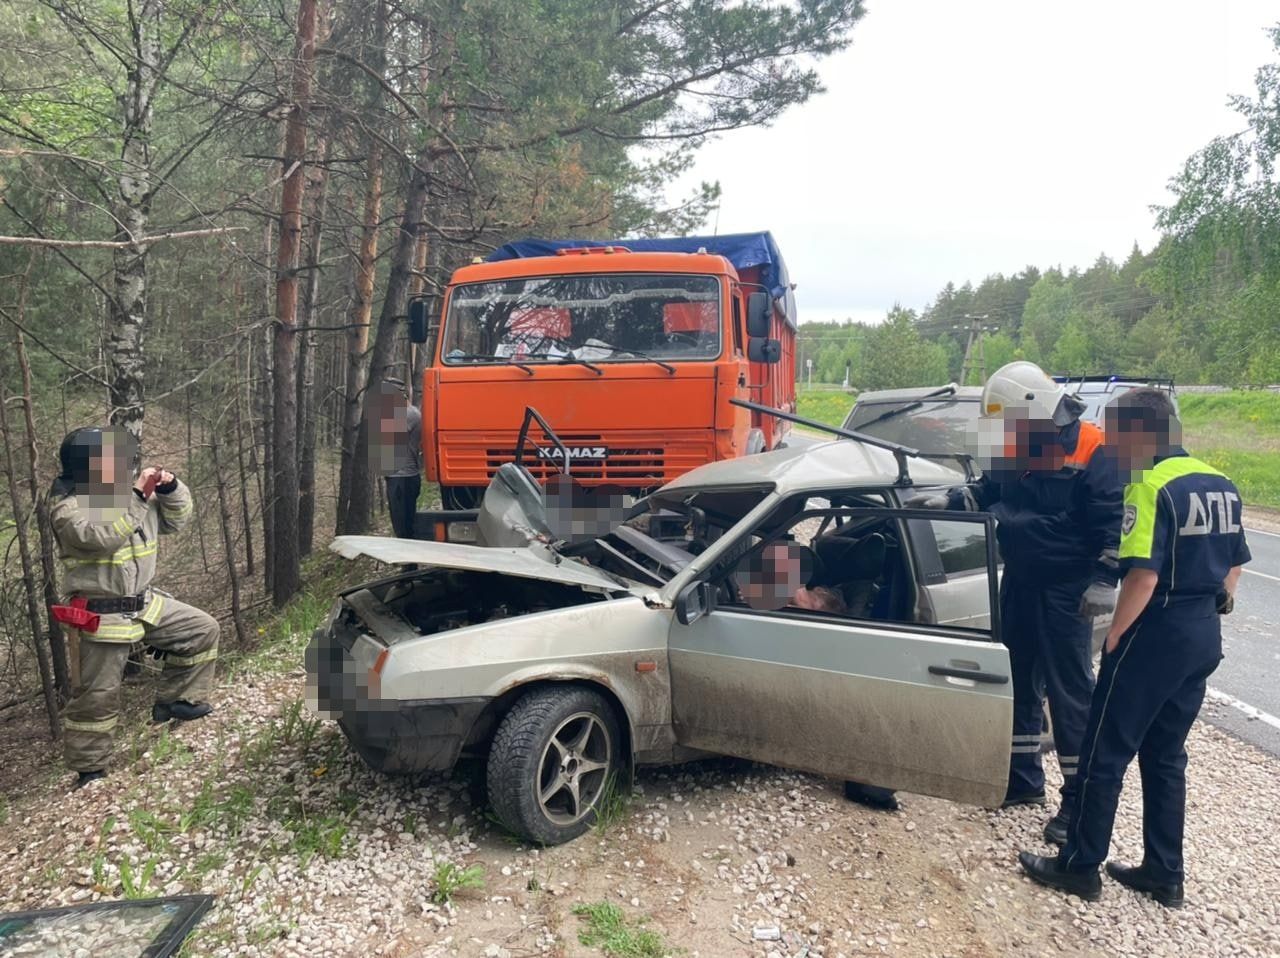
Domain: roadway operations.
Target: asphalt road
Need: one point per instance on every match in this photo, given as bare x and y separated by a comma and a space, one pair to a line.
1244, 695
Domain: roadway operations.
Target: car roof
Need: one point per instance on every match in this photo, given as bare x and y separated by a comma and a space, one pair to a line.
919, 392
827, 465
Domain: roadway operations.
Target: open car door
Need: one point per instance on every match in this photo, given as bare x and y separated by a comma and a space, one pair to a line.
924, 708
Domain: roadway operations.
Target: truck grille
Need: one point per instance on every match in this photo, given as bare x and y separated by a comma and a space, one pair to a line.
635, 461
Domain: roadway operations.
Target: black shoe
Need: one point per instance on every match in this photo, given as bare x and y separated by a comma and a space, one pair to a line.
182, 710
1047, 871
1055, 831
881, 799
1169, 894
85, 778
1033, 798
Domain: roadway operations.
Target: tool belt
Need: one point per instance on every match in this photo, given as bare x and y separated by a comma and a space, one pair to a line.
124, 605
85, 614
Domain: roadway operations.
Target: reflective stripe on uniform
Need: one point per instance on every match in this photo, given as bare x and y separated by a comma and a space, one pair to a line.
151, 615
122, 555
172, 661
1024, 739
106, 725
122, 524
125, 632
1025, 749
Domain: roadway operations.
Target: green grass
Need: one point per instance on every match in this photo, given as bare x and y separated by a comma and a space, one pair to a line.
606, 927
448, 879
1239, 433
614, 805
825, 405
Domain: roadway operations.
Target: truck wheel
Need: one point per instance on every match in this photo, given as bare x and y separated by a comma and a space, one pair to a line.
551, 760
461, 497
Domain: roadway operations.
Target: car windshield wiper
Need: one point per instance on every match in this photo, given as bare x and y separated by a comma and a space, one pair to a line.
948, 390
615, 350
568, 360
489, 357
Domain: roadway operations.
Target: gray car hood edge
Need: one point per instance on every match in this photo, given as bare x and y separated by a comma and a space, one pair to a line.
521, 562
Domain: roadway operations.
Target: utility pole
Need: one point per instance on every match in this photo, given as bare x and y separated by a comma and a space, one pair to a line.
972, 362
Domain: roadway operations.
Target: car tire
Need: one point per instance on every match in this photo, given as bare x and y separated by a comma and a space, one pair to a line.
552, 759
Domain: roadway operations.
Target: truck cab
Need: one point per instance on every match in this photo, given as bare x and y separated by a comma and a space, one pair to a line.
633, 350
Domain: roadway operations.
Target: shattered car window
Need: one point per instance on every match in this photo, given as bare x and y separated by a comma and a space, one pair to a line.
933, 426
153, 928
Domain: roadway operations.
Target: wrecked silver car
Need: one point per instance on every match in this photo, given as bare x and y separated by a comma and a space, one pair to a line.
782, 608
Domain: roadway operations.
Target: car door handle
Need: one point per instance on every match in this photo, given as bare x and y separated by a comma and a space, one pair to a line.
976, 675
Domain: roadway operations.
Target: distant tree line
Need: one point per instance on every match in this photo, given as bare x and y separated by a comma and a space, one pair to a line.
1203, 306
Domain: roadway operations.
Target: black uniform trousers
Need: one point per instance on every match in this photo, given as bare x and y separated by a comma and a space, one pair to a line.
402, 503
1050, 655
1149, 693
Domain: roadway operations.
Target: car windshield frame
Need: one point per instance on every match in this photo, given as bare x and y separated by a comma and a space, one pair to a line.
546, 302
920, 407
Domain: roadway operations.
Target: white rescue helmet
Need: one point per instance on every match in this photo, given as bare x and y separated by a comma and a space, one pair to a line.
1023, 390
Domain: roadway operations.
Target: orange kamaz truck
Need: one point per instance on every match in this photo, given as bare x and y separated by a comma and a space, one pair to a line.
631, 350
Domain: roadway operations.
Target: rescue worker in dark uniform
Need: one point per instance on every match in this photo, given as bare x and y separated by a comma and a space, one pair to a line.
1182, 551
1057, 499
107, 535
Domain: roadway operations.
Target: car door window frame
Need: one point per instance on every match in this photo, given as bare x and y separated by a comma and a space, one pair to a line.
723, 567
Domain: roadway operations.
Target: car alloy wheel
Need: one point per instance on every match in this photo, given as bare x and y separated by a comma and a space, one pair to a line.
574, 769
551, 759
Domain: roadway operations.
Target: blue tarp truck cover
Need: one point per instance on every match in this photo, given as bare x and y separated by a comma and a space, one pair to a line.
742, 250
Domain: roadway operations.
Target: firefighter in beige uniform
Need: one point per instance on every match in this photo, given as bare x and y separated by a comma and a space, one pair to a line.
107, 537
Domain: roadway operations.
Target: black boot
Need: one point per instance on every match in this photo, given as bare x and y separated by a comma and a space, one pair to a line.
1047, 871
1011, 800
84, 778
1055, 831
1169, 894
182, 710
872, 796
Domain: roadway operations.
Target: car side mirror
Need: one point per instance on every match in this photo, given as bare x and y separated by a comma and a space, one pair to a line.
694, 601
761, 350
419, 320
759, 305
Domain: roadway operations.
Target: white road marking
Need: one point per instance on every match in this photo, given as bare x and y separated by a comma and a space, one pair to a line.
1253, 713
1273, 578
1260, 532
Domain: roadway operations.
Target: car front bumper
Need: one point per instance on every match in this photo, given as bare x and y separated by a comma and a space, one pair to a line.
391, 735
409, 737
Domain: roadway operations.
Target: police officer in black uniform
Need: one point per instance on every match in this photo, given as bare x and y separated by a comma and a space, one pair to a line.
1182, 549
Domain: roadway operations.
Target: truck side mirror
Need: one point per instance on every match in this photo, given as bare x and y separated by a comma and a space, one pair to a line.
761, 350
419, 320
694, 601
759, 305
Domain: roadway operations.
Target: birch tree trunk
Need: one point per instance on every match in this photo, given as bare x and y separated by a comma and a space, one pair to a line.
134, 182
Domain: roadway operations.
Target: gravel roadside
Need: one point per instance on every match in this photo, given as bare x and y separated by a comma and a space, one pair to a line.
310, 854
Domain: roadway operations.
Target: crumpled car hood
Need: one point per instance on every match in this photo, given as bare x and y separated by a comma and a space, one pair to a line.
543, 564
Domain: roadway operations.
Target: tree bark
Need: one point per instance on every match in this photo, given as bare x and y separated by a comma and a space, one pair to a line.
133, 213
29, 577
286, 578
306, 428
228, 540
57, 640
353, 515
383, 362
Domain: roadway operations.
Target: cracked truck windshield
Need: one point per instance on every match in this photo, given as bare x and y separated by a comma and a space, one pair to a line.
597, 318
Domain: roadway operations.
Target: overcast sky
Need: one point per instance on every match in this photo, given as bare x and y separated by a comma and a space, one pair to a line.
961, 139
